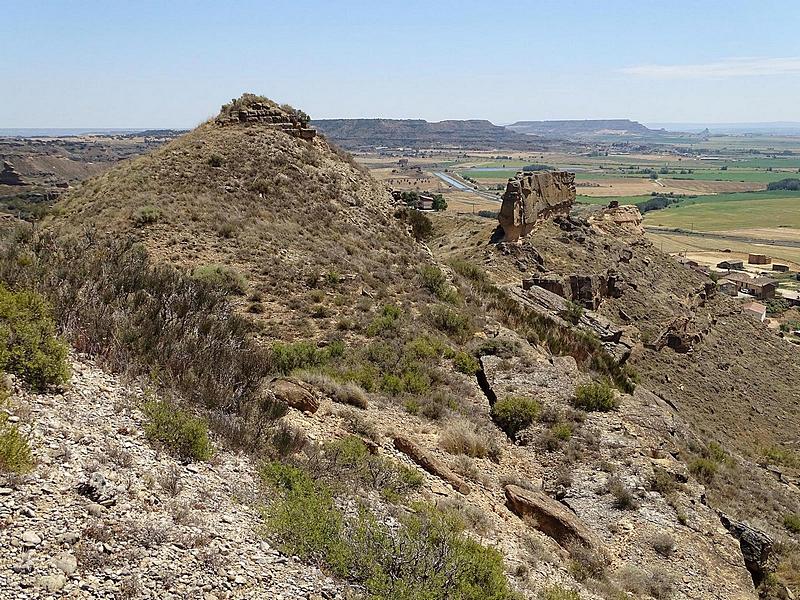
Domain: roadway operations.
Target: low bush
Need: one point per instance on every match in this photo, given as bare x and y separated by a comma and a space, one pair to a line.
146, 215
434, 280
461, 437
387, 322
421, 225
595, 396
178, 430
662, 481
466, 363
221, 277
792, 522
663, 543
559, 592
428, 556
29, 347
451, 321
285, 358
514, 413
703, 469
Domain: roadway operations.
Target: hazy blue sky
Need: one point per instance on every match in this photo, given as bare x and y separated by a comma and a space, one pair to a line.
171, 63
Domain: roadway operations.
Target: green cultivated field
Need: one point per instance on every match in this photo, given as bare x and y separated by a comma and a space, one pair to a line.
722, 212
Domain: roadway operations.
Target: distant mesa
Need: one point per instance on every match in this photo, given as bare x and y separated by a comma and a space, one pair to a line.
477, 134
578, 129
532, 197
10, 176
250, 109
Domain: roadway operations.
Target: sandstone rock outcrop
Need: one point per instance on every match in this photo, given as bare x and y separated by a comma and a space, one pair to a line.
586, 289
296, 394
530, 198
260, 113
550, 517
425, 460
615, 339
10, 176
616, 220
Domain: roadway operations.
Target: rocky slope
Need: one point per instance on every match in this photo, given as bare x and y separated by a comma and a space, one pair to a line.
147, 526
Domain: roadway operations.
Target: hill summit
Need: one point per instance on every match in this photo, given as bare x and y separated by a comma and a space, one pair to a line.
254, 193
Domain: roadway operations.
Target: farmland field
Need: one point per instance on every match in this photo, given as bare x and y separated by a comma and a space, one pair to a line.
731, 211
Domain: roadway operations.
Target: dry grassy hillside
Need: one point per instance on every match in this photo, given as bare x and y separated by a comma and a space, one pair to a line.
411, 374
300, 230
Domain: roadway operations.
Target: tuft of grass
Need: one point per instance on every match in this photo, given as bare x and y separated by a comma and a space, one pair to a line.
221, 277
514, 413
595, 396
461, 437
343, 393
179, 431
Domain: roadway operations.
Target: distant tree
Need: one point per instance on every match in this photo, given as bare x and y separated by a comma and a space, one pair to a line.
439, 203
790, 184
654, 175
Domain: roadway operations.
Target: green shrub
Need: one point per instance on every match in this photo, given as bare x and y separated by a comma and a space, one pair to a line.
436, 283
451, 321
559, 592
703, 469
562, 431
221, 277
146, 215
388, 321
28, 346
427, 557
180, 432
792, 522
468, 270
595, 396
285, 358
573, 313
421, 225
514, 413
466, 363
303, 519
15, 453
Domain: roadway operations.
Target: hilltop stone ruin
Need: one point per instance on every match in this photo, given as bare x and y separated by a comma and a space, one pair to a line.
272, 116
10, 176
531, 197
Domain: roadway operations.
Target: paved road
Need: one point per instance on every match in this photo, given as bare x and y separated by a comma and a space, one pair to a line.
463, 187
724, 236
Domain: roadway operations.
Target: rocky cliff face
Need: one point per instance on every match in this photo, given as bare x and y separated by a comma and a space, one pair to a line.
529, 199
